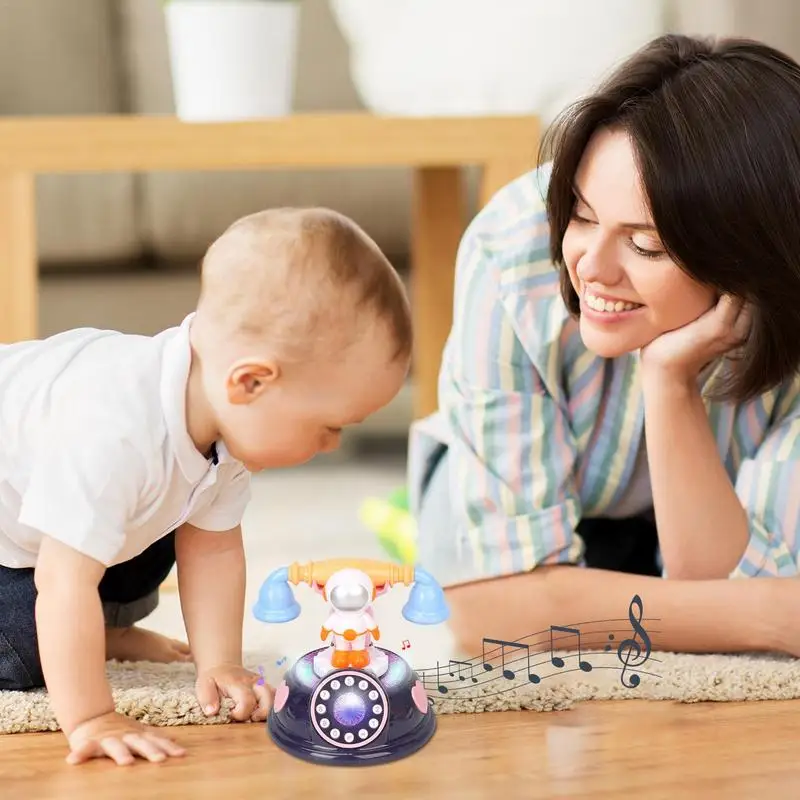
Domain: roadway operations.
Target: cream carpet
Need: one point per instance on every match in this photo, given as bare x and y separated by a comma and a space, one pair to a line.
163, 694
283, 526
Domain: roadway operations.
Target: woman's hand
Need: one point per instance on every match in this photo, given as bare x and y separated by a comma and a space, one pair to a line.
681, 354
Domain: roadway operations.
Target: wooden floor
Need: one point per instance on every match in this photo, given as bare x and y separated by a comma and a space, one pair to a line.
629, 748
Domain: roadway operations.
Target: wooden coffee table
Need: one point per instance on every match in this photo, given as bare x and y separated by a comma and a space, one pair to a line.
435, 148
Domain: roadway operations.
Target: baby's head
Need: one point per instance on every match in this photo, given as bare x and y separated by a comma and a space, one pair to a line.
303, 327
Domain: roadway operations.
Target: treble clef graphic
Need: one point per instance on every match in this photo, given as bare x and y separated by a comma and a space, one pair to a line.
629, 651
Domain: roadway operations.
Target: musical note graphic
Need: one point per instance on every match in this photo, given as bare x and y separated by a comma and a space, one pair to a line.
461, 665
507, 673
439, 685
406, 644
537, 656
631, 646
280, 661
261, 681
559, 662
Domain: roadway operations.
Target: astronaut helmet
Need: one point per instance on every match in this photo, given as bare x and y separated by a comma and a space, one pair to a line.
349, 590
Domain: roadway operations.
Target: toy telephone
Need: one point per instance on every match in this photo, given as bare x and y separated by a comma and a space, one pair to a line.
351, 701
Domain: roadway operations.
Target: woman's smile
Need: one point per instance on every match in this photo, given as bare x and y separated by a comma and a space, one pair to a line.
606, 309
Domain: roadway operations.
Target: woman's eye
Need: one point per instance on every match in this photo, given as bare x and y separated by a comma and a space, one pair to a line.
644, 252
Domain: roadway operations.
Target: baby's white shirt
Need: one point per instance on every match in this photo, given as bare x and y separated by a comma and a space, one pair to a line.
94, 448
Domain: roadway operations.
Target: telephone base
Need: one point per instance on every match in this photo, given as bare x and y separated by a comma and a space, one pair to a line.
349, 716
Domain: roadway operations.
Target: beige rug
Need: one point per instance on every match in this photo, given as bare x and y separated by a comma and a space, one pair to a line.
163, 694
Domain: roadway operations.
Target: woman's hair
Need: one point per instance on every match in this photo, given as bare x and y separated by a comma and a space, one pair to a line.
715, 128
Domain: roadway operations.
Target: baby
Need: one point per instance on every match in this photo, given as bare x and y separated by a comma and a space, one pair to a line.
122, 455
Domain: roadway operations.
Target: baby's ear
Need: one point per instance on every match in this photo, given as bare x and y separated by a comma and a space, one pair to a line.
248, 379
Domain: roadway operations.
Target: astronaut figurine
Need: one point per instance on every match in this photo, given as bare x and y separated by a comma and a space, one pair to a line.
351, 624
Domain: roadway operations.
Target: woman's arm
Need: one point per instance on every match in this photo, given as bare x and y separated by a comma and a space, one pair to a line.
710, 526
680, 616
702, 525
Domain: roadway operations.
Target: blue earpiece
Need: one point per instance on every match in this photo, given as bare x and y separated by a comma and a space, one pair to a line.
276, 601
426, 604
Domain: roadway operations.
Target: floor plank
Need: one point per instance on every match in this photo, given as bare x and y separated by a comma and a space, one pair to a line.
598, 749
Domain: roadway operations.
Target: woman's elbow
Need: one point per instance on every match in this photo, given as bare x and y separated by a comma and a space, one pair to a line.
500, 608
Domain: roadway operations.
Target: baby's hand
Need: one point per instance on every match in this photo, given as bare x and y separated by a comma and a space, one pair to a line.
253, 699
120, 738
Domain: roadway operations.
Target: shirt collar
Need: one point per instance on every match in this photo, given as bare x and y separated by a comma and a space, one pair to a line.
175, 368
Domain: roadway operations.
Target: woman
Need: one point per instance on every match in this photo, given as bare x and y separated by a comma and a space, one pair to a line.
620, 389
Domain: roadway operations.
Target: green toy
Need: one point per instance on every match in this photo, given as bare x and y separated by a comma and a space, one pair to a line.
393, 524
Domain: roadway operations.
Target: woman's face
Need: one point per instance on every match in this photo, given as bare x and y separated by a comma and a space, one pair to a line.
630, 291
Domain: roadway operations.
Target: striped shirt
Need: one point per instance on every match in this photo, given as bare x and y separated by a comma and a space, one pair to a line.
541, 432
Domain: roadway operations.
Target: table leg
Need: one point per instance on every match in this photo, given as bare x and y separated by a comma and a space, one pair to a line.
497, 174
19, 270
437, 225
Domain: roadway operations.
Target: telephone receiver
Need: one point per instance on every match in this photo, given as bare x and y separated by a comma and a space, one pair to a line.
426, 604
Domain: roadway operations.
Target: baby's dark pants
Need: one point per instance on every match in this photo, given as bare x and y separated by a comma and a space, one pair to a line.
128, 592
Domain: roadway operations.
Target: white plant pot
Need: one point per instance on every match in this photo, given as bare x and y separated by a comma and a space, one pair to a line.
483, 57
232, 59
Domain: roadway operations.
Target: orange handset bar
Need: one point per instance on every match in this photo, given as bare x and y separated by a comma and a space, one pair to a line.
380, 572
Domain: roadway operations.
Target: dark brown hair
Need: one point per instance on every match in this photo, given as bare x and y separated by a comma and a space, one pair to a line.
715, 126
